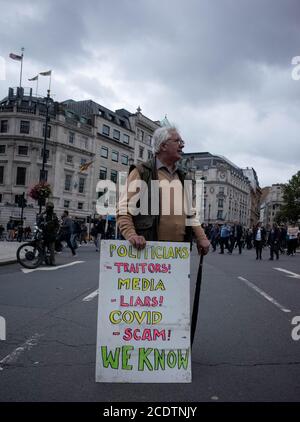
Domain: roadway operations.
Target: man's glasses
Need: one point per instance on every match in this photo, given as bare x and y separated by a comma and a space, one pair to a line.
178, 141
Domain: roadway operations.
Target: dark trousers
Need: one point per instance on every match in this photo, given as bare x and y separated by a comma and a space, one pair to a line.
274, 248
224, 242
69, 243
236, 241
258, 248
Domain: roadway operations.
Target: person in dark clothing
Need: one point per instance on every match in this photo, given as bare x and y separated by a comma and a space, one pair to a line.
236, 237
98, 231
67, 228
49, 224
274, 241
224, 238
214, 236
259, 238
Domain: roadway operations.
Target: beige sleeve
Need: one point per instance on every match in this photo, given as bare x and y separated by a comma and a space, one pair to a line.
199, 233
124, 219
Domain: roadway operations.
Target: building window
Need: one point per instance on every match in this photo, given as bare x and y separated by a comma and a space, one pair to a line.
71, 137
141, 152
0, 197
220, 214
1, 175
24, 126
66, 204
80, 205
115, 156
2, 149
125, 138
82, 161
48, 131
114, 176
148, 139
47, 153
221, 189
220, 202
22, 150
116, 134
45, 175
81, 184
105, 130
4, 126
140, 135
149, 154
68, 180
69, 159
104, 152
124, 159
102, 173
21, 176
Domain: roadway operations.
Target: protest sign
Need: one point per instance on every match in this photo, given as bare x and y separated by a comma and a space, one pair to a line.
143, 332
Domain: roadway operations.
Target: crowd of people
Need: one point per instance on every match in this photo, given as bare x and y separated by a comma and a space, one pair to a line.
279, 239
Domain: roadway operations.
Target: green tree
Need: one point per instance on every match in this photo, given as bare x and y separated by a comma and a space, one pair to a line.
290, 211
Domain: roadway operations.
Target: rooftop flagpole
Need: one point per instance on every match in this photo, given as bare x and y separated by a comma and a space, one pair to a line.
22, 55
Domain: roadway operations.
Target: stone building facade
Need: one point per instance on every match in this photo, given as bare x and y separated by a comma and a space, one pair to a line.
227, 191
271, 202
79, 132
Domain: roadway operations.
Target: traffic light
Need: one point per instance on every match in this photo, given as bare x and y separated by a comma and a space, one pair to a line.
22, 202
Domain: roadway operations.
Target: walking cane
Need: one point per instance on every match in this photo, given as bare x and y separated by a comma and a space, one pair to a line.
196, 300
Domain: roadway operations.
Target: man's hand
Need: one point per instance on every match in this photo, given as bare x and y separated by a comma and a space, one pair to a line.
138, 242
203, 246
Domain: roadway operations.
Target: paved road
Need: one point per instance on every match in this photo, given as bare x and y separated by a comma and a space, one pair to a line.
243, 348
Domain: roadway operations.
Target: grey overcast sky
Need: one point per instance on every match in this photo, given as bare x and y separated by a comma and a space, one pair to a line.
221, 70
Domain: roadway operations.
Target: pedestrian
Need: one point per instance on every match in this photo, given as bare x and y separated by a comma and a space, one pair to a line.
274, 241
214, 236
20, 232
83, 233
236, 237
259, 237
249, 238
98, 231
167, 224
292, 234
67, 229
10, 228
75, 236
1, 232
224, 238
49, 224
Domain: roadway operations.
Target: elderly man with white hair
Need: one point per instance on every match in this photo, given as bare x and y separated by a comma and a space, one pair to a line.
137, 229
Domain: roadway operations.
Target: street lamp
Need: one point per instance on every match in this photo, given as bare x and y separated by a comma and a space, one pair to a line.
43, 172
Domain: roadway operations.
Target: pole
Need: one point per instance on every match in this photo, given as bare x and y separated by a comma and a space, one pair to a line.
22, 55
43, 176
22, 208
196, 300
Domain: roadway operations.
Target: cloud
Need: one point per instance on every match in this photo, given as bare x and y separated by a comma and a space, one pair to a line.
220, 70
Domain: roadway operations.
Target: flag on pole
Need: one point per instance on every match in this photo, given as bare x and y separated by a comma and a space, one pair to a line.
85, 166
15, 57
48, 73
35, 78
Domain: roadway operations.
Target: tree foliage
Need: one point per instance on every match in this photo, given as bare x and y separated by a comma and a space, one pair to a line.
290, 211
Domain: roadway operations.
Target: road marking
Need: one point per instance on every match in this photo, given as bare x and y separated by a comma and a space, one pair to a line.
291, 274
27, 270
91, 296
264, 294
13, 357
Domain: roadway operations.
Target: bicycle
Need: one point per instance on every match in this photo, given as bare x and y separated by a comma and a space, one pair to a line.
32, 254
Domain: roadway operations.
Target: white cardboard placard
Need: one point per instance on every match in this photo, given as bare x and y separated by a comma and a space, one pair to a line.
143, 327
